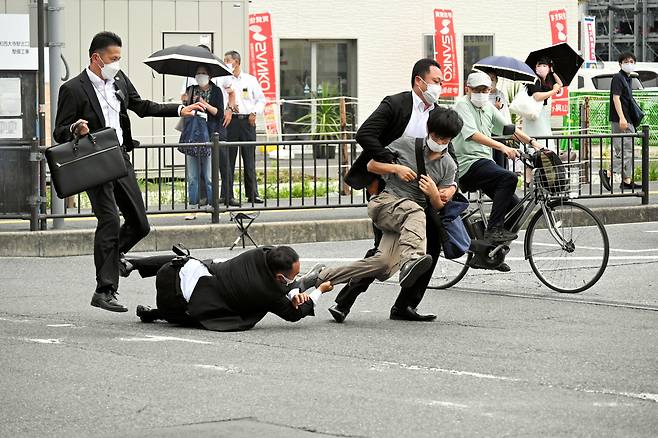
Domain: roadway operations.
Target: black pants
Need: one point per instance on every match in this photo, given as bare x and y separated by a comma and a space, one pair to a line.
171, 306
239, 130
111, 237
409, 296
497, 183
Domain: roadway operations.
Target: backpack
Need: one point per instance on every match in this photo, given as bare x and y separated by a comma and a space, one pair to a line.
550, 172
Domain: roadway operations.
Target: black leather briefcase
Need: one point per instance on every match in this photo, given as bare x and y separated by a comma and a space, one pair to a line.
86, 162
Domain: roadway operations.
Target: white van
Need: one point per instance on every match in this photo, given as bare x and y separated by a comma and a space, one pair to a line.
599, 79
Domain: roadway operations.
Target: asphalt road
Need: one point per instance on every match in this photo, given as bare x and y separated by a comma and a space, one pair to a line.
506, 357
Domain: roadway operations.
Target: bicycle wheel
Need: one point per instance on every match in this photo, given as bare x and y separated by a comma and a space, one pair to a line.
579, 261
449, 272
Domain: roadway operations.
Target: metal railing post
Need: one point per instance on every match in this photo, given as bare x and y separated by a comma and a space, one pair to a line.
215, 178
35, 198
645, 164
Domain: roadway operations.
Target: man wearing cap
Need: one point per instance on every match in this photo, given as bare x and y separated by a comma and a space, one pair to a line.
473, 145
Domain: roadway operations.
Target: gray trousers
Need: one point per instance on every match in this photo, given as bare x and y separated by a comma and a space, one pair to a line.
623, 151
402, 223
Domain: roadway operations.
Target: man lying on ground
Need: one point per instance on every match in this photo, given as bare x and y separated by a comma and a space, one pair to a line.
232, 295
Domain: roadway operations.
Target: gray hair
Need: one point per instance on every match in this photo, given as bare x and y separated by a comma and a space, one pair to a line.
234, 55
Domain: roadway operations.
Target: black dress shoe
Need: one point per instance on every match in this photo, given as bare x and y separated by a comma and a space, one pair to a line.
413, 269
630, 186
125, 267
338, 313
107, 301
256, 200
146, 314
410, 314
234, 202
605, 179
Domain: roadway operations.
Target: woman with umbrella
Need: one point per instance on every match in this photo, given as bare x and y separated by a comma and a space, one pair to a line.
199, 62
548, 85
200, 129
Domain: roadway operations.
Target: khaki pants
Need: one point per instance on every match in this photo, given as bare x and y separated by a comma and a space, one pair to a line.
402, 223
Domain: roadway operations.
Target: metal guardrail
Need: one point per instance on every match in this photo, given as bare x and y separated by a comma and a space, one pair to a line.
312, 179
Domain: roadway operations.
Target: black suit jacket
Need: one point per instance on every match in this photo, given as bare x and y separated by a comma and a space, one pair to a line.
240, 292
385, 125
77, 100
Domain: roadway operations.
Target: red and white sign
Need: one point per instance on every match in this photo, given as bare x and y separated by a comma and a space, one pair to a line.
261, 65
445, 50
558, 21
589, 39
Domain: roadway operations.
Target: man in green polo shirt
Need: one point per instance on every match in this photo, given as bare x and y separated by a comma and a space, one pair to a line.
473, 146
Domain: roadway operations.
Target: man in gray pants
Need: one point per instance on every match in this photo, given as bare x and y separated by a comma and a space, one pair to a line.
622, 120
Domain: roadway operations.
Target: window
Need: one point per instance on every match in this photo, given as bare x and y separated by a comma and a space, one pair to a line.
476, 47
314, 68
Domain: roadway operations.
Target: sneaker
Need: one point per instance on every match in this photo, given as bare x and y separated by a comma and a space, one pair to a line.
499, 235
605, 179
190, 217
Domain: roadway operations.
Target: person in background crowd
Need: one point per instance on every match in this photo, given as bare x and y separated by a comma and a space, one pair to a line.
200, 129
499, 100
622, 120
477, 169
249, 102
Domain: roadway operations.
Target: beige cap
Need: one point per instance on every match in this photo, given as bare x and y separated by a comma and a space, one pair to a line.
478, 79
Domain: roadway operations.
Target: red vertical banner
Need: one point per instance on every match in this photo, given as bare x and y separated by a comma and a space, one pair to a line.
261, 65
445, 50
558, 22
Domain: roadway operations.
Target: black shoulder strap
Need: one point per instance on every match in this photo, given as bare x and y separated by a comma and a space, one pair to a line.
420, 156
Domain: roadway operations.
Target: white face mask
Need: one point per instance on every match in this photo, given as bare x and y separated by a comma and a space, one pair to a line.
202, 79
542, 71
109, 71
433, 92
230, 66
628, 67
479, 99
434, 146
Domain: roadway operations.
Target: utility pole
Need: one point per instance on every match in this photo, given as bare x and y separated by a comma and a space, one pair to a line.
55, 43
42, 107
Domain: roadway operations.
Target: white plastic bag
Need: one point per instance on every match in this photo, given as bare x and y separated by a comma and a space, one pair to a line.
526, 106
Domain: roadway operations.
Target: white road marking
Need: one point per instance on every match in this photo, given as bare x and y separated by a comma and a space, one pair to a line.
444, 404
593, 248
60, 325
15, 320
387, 365
227, 370
641, 395
46, 341
153, 338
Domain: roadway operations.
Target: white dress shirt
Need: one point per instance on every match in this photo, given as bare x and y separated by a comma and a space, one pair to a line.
315, 295
417, 126
249, 97
189, 276
110, 103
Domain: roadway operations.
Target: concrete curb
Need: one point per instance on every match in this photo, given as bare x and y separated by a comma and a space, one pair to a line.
59, 243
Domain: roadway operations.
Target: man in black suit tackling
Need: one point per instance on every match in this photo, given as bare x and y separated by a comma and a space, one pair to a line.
406, 114
100, 97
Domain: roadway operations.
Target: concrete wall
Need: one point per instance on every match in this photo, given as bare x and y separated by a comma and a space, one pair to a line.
389, 33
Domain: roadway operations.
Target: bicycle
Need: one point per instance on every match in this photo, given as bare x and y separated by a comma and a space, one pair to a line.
565, 243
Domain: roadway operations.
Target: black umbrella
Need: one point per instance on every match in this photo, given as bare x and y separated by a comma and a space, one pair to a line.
184, 60
506, 67
566, 61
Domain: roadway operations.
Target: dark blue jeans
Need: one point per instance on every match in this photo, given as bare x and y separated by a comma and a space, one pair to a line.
497, 183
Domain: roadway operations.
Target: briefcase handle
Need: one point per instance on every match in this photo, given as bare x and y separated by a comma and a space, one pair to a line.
77, 138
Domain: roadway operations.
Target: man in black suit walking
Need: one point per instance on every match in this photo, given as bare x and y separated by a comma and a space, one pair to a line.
401, 114
97, 98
